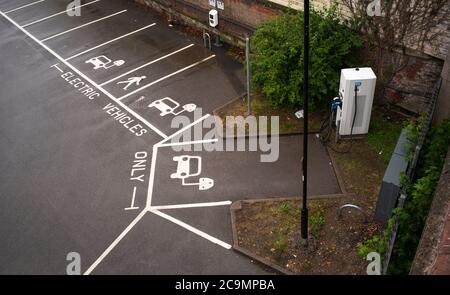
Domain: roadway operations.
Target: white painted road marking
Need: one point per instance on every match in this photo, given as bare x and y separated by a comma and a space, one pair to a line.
152, 173
23, 6
104, 62
56, 66
168, 76
133, 198
167, 106
192, 229
145, 65
56, 14
184, 129
194, 205
110, 41
189, 142
82, 26
136, 115
132, 80
115, 242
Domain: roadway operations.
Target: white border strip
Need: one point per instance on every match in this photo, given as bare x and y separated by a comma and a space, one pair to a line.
110, 41
114, 244
82, 26
18, 8
56, 14
136, 115
192, 229
147, 64
168, 76
151, 181
189, 142
184, 129
194, 205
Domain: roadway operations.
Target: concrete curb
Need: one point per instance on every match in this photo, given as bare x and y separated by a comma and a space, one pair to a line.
337, 171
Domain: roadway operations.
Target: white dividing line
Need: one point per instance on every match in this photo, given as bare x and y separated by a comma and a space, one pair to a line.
18, 8
192, 229
56, 14
189, 142
136, 115
82, 26
132, 207
166, 77
56, 66
152, 177
108, 42
145, 65
116, 241
194, 205
184, 129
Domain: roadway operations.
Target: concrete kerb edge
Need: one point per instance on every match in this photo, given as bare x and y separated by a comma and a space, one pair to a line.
337, 172
237, 205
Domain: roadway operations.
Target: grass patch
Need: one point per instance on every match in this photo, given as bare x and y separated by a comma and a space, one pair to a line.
316, 219
383, 134
263, 107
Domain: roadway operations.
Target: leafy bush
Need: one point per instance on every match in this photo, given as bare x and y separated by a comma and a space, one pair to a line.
420, 196
376, 243
277, 57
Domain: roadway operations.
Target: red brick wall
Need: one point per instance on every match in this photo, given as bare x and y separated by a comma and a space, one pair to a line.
239, 19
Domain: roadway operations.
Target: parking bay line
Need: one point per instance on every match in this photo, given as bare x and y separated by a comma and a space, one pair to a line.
84, 25
113, 98
192, 229
56, 14
146, 64
110, 41
24, 6
166, 77
193, 205
115, 242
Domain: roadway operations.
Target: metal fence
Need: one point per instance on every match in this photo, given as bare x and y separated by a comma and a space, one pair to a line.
412, 165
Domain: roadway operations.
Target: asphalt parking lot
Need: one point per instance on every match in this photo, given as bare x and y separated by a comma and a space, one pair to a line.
88, 166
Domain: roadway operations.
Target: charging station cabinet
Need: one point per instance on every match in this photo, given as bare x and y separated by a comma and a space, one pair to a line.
364, 80
213, 18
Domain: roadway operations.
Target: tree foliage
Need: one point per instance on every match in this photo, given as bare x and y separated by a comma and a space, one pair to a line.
277, 57
413, 216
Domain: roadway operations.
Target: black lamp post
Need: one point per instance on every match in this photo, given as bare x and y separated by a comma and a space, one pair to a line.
304, 211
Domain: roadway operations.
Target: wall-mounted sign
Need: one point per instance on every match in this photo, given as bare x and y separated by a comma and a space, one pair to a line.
220, 4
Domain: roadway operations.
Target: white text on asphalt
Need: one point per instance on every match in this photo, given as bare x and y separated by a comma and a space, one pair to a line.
80, 85
123, 118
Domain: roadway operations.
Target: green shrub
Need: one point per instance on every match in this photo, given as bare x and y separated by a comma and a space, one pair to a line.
277, 57
420, 196
376, 243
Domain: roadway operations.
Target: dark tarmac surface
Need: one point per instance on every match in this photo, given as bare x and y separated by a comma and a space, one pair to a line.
66, 173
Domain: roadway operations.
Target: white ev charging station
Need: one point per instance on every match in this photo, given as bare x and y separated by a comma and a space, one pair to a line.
356, 92
213, 18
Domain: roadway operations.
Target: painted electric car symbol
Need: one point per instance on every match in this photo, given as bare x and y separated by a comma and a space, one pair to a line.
167, 106
104, 62
184, 172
